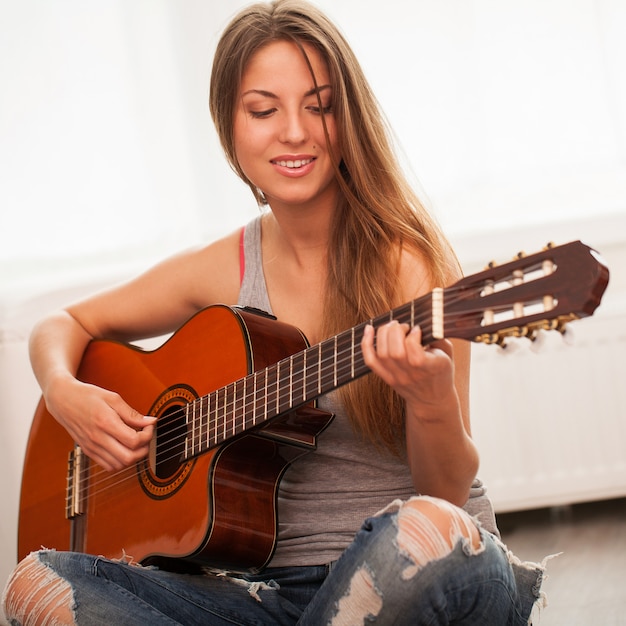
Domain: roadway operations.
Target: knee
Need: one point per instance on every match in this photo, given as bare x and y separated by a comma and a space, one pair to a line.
430, 528
36, 594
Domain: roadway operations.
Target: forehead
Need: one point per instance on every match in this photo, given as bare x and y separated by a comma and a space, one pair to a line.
283, 62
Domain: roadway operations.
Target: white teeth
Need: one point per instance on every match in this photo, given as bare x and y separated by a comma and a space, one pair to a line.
294, 164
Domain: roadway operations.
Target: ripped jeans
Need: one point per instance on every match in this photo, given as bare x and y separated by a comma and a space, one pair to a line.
398, 570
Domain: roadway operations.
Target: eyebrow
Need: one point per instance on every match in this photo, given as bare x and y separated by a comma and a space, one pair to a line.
269, 94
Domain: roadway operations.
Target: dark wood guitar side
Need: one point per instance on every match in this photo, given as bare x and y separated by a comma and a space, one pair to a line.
218, 507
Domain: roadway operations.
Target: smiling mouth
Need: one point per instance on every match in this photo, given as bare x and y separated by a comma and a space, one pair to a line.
293, 164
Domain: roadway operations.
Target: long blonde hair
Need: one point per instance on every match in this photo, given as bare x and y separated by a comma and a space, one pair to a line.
379, 213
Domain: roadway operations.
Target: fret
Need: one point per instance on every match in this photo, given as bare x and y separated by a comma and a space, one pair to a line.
211, 431
335, 363
352, 353
304, 376
290, 381
229, 412
254, 394
271, 392
312, 376
358, 364
278, 387
260, 407
297, 379
242, 403
188, 445
327, 370
284, 375
229, 409
200, 422
345, 348
219, 403
402, 315
204, 424
229, 419
215, 416
197, 426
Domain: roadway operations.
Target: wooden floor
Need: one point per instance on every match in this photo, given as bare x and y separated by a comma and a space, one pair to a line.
586, 584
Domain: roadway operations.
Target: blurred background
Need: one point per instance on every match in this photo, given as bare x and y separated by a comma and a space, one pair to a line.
510, 116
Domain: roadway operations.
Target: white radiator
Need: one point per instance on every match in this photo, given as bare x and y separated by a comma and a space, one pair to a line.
550, 420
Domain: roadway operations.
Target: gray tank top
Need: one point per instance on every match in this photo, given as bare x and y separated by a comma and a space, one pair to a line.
325, 496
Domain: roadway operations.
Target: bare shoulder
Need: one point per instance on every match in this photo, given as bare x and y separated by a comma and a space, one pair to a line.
415, 274
160, 299
215, 270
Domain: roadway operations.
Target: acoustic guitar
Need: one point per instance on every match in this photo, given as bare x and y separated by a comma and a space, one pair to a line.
234, 391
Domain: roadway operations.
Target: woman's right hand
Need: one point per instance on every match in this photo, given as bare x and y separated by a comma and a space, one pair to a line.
108, 430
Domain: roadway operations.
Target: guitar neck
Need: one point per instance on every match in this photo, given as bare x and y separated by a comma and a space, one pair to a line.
295, 381
542, 291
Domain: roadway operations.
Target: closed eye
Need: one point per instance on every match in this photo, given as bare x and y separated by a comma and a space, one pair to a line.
261, 114
327, 110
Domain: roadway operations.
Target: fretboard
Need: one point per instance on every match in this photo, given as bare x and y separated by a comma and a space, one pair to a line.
292, 382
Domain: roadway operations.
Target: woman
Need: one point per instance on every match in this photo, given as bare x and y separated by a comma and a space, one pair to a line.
342, 240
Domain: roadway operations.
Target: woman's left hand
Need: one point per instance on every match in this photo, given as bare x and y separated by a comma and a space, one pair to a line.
423, 376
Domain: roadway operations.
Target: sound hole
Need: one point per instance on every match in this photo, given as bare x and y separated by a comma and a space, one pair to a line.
165, 470
170, 442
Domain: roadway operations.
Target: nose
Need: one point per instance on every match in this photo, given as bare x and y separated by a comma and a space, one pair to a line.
294, 130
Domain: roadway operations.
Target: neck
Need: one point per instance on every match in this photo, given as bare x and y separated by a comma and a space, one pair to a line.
302, 236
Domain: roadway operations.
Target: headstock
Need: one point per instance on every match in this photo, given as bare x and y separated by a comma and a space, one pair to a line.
541, 291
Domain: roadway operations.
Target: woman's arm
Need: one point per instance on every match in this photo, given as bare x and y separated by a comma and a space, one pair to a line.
434, 383
159, 301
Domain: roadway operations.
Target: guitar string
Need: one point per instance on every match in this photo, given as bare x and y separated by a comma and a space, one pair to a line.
341, 361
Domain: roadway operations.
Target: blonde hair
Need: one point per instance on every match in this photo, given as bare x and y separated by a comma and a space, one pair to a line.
378, 215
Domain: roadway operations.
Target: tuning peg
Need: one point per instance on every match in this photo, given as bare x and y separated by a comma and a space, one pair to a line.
522, 331
490, 265
519, 255
501, 341
569, 336
538, 341
509, 347
553, 324
490, 338
562, 325
532, 334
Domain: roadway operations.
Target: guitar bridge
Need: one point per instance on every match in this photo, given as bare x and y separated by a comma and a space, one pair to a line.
74, 498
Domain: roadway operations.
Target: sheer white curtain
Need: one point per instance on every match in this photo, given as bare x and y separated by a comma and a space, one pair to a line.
508, 113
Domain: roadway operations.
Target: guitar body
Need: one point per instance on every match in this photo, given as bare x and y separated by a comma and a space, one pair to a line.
217, 508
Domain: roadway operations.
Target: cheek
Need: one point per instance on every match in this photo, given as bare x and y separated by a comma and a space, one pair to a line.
250, 140
244, 145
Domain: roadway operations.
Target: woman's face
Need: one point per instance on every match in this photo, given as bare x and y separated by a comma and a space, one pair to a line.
279, 136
